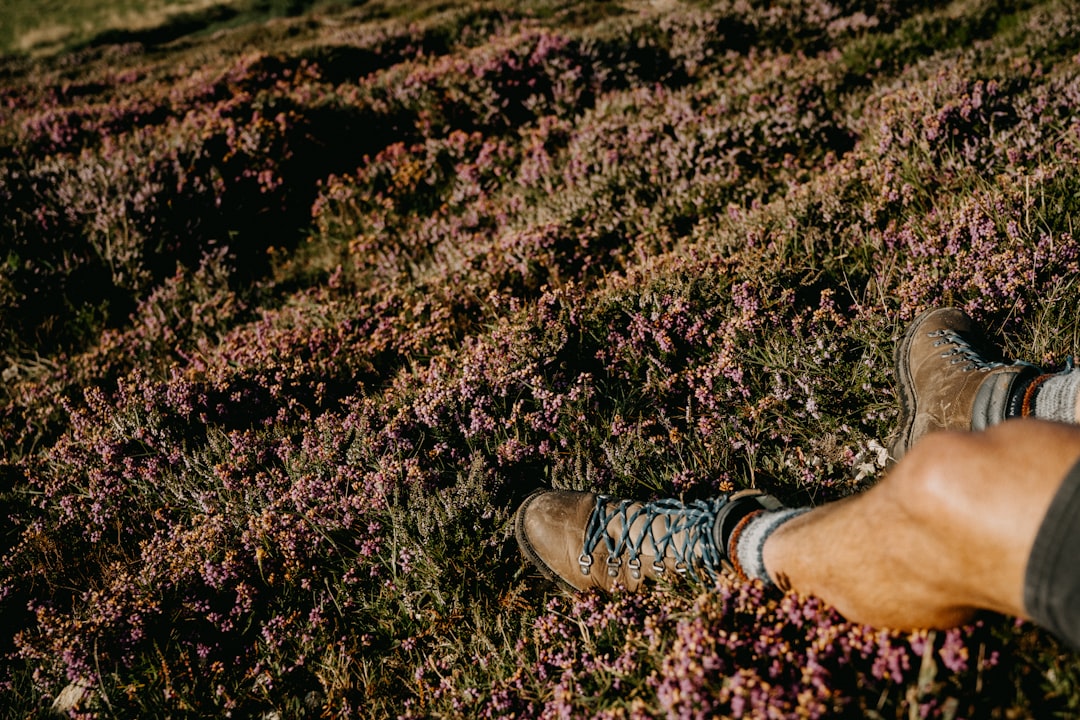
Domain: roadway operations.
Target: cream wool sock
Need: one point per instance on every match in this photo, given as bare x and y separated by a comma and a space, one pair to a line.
1055, 397
747, 543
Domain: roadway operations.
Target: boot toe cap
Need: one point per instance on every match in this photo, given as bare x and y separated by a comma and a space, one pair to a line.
550, 528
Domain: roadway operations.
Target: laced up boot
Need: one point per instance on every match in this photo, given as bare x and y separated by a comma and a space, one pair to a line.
583, 540
950, 378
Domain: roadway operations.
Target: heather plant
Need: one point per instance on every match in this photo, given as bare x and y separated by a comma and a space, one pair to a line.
293, 315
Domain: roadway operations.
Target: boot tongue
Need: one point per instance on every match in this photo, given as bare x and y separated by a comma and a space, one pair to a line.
736, 510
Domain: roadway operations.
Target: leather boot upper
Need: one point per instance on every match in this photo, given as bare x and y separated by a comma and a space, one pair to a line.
950, 378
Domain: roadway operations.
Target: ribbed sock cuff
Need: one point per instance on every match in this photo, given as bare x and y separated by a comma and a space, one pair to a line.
1056, 397
747, 549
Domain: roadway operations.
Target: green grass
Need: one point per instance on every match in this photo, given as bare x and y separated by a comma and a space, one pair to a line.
53, 26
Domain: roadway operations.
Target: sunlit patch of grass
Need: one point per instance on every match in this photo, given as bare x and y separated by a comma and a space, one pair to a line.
48, 26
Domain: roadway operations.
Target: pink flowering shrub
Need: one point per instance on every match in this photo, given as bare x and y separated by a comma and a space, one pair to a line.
723, 660
293, 316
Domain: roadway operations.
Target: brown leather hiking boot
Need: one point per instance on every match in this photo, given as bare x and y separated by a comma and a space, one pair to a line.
950, 378
582, 540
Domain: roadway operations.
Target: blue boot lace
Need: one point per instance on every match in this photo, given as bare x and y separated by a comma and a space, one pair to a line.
961, 351
695, 549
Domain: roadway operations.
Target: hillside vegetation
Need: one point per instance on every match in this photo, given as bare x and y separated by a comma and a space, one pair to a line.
298, 301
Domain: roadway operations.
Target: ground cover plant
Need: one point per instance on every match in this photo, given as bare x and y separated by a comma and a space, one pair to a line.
293, 313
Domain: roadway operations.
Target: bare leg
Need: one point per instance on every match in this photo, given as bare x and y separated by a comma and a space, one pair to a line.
947, 532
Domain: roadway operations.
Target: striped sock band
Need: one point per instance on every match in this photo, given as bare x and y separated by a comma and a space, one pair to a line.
1055, 397
747, 544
